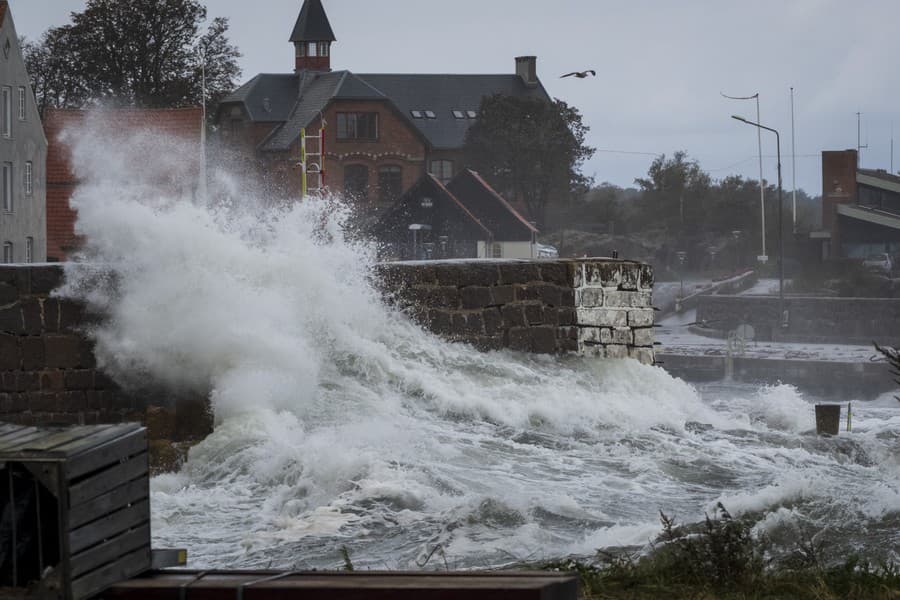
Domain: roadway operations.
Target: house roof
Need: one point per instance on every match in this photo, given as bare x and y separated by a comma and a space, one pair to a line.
312, 24
491, 209
878, 178
181, 123
297, 99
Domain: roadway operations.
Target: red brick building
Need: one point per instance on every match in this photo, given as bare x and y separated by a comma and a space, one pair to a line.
180, 125
382, 131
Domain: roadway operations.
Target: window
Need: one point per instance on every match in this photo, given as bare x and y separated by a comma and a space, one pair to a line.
442, 169
416, 114
22, 97
430, 114
7, 187
300, 47
496, 250
390, 183
356, 182
357, 126
6, 112
311, 49
28, 180
471, 114
7, 252
29, 249
458, 114
323, 48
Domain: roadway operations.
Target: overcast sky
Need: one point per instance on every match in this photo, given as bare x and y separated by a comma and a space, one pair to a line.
660, 67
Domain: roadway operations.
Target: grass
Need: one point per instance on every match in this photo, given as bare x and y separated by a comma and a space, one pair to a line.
722, 559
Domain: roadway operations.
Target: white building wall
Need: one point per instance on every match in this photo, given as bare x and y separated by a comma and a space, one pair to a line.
508, 250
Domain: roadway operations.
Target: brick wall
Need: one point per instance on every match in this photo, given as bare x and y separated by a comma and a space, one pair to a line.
594, 307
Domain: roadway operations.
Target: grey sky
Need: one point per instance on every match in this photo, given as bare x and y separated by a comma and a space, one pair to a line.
660, 67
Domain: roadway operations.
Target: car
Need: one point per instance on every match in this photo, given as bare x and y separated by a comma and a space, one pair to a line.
880, 261
547, 251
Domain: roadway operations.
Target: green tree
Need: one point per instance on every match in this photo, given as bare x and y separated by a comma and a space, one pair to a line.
144, 53
673, 192
530, 149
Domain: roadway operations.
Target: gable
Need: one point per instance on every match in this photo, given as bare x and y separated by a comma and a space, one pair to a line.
490, 208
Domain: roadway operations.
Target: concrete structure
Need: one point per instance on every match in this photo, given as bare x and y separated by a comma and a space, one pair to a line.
383, 131
23, 154
595, 306
178, 125
860, 208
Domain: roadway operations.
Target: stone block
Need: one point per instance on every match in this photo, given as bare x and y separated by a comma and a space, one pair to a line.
602, 274
72, 316
567, 297
457, 323
10, 352
102, 381
556, 273
630, 276
72, 401
20, 277
543, 339
519, 272
525, 293
622, 335
42, 401
476, 297
33, 354
534, 313
11, 320
567, 315
643, 336
645, 281
620, 299
79, 379
616, 351
590, 335
493, 321
567, 345
601, 317
450, 274
52, 381
438, 321
86, 357
160, 422
550, 315
46, 278
62, 351
644, 355
482, 274
641, 317
474, 324
520, 338
32, 316
550, 294
9, 293
591, 350
27, 381
487, 343
513, 315
50, 315
503, 294
589, 297
576, 274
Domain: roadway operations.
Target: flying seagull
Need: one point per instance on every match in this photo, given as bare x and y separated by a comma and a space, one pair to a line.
579, 74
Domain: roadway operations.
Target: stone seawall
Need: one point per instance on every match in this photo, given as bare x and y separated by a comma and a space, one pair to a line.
810, 319
593, 306
49, 373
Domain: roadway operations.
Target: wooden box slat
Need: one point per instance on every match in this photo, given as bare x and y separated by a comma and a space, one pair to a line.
99, 555
109, 526
107, 453
106, 479
129, 565
106, 503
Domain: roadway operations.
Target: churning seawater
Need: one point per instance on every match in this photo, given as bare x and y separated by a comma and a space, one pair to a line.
341, 424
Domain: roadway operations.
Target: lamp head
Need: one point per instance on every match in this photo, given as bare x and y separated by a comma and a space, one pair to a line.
739, 118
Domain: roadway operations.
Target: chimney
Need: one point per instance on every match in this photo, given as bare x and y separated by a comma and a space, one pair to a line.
526, 68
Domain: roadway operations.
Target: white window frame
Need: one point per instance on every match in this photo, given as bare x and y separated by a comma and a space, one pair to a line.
23, 95
6, 111
28, 179
6, 181
7, 253
29, 249
496, 250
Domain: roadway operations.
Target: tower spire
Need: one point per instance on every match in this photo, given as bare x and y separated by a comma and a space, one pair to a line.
312, 37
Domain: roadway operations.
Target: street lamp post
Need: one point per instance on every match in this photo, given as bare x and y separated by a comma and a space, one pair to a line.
781, 310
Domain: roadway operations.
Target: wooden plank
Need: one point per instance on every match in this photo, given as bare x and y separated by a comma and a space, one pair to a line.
109, 526
128, 566
107, 453
13, 434
107, 479
8, 450
109, 502
109, 550
58, 438
8, 427
109, 433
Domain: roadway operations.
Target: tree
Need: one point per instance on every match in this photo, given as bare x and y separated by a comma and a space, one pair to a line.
143, 53
529, 149
673, 191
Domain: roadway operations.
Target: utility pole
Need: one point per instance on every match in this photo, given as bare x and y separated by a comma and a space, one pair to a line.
859, 146
793, 164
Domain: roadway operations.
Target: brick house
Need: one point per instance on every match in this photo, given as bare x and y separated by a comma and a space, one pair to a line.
180, 125
383, 132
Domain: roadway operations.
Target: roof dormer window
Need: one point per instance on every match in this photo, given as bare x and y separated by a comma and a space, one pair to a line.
458, 114
471, 114
430, 114
416, 114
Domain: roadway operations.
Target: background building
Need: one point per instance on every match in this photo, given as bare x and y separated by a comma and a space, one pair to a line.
23, 154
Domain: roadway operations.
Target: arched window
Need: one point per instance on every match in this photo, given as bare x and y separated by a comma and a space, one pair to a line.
356, 182
390, 183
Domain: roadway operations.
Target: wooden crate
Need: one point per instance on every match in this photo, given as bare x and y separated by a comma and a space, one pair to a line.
82, 511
